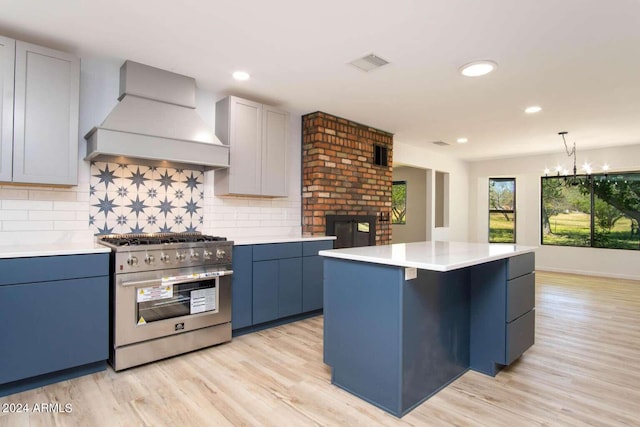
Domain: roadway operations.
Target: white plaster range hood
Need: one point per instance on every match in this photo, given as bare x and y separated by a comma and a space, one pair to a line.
156, 121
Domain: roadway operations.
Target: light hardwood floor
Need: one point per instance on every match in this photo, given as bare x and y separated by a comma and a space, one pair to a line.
583, 370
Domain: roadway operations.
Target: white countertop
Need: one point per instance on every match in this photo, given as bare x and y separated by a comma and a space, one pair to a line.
277, 239
436, 256
24, 251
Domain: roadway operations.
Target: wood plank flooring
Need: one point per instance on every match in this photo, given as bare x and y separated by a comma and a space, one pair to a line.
583, 370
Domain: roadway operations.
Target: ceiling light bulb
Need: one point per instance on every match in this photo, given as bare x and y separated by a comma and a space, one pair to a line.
478, 68
558, 168
587, 168
241, 75
533, 109
546, 171
462, 140
605, 167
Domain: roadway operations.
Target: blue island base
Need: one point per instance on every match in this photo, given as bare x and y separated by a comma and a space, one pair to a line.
395, 342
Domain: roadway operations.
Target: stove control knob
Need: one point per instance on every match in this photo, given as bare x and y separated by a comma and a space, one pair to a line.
220, 253
132, 260
195, 255
149, 259
164, 257
180, 256
206, 254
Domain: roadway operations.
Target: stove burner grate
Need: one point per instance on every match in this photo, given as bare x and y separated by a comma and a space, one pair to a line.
158, 239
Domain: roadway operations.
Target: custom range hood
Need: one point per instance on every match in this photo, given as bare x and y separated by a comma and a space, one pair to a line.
156, 122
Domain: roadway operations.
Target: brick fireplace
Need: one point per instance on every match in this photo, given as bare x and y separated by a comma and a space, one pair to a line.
346, 170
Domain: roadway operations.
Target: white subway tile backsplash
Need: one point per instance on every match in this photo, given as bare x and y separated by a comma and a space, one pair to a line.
53, 215
71, 225
70, 206
82, 196
16, 215
27, 225
26, 205
68, 196
13, 194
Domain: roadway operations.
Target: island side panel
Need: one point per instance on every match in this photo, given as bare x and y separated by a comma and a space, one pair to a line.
435, 333
362, 336
488, 306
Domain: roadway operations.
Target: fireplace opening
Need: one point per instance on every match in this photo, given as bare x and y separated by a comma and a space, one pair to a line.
351, 230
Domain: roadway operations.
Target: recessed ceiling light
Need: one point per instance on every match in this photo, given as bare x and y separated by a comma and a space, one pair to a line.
241, 75
478, 68
533, 109
462, 140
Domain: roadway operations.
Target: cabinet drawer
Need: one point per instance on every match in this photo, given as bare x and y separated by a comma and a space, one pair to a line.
312, 248
521, 295
51, 268
520, 336
520, 265
277, 251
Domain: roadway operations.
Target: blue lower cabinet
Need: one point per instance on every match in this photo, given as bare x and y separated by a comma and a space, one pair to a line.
312, 288
242, 287
50, 326
275, 281
56, 329
289, 287
265, 291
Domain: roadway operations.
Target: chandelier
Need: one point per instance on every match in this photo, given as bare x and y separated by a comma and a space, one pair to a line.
571, 153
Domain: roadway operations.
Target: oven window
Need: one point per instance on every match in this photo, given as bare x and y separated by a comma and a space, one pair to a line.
166, 301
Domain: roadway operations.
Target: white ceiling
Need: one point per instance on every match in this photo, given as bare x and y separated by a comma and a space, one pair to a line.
578, 59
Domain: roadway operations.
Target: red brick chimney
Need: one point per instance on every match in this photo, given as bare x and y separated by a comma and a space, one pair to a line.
346, 170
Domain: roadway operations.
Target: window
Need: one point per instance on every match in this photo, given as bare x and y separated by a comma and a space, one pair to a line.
399, 202
502, 210
600, 211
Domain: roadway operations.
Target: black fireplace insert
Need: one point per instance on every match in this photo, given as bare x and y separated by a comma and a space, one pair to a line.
351, 230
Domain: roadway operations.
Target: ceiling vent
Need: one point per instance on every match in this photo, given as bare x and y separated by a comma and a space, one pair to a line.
440, 143
368, 63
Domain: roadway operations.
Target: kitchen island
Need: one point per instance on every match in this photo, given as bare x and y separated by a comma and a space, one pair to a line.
402, 321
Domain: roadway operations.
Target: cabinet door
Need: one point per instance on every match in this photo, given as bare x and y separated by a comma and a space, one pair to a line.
50, 326
245, 141
312, 283
45, 148
265, 291
7, 56
274, 152
242, 289
289, 287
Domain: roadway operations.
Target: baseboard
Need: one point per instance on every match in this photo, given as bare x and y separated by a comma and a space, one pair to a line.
274, 323
53, 377
586, 273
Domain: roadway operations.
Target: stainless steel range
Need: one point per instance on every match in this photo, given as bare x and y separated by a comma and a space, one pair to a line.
170, 294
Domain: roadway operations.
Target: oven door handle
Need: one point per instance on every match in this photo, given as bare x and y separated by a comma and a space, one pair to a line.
198, 277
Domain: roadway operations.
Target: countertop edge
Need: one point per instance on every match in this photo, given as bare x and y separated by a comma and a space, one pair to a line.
28, 252
424, 265
270, 240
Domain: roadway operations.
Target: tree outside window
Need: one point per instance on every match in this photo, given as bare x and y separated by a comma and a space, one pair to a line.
399, 202
502, 214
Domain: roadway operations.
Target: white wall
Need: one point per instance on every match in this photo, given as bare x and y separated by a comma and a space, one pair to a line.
527, 171
34, 214
415, 229
408, 155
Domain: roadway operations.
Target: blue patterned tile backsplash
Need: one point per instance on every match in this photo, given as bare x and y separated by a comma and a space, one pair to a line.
145, 199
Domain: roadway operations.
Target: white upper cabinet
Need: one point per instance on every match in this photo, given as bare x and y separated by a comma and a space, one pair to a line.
43, 142
7, 60
257, 139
